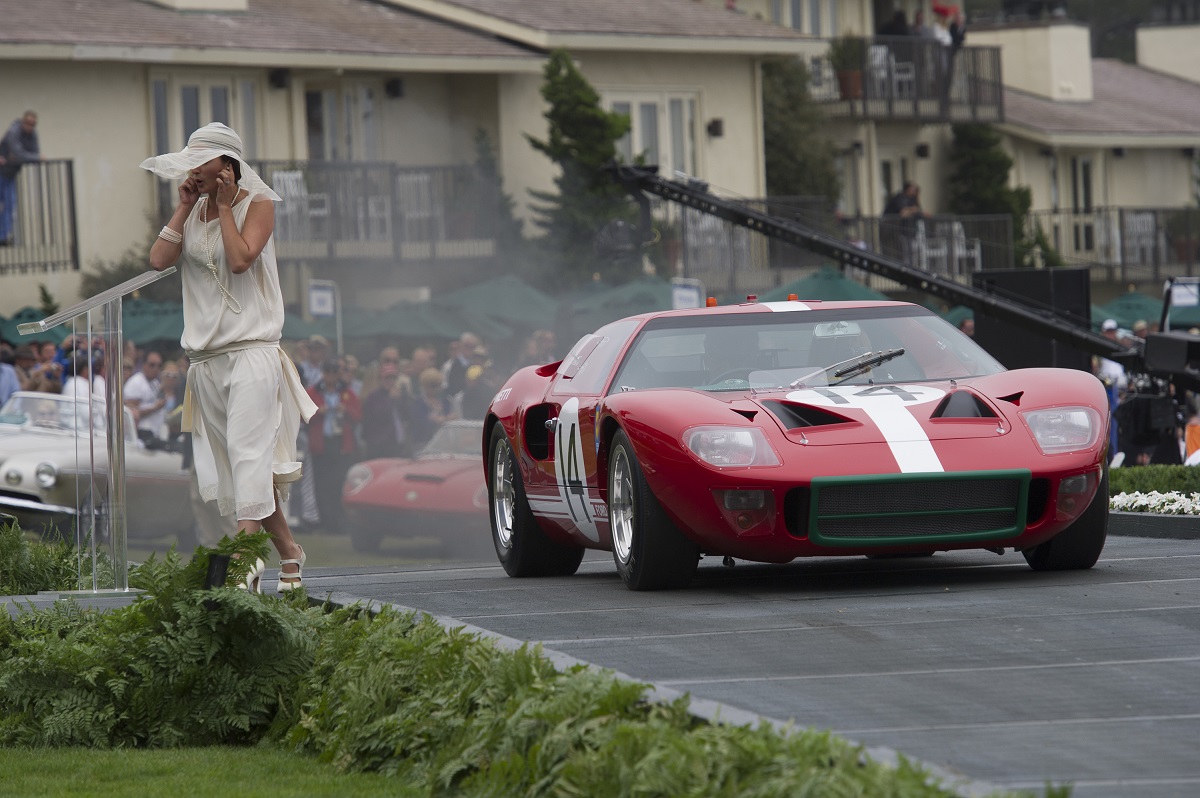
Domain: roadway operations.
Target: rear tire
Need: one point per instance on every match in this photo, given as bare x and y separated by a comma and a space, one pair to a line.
649, 550
521, 545
1078, 546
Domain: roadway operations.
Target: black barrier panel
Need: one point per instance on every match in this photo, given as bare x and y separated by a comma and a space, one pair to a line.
1064, 292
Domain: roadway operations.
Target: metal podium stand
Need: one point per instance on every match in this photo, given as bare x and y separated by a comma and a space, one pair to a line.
100, 525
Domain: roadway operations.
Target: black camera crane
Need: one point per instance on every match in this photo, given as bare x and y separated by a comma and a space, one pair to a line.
641, 181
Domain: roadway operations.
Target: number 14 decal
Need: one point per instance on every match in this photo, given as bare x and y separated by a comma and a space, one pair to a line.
570, 469
906, 393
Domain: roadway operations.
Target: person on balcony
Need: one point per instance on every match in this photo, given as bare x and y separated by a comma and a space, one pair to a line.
18, 147
901, 215
244, 399
896, 26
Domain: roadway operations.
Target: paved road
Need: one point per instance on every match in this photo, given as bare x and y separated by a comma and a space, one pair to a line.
969, 661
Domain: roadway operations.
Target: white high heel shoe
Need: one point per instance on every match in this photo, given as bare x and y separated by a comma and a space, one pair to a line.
253, 580
298, 576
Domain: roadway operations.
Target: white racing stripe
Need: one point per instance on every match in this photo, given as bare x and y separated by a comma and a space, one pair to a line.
905, 437
888, 406
783, 307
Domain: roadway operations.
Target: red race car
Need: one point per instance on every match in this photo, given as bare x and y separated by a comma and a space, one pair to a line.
439, 494
770, 431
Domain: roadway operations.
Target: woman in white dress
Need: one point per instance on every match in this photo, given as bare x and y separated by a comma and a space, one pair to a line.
244, 400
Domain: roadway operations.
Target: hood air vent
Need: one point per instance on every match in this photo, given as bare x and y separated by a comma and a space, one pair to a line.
963, 404
796, 415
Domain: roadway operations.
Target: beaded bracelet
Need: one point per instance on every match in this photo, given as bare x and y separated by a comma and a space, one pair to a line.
168, 234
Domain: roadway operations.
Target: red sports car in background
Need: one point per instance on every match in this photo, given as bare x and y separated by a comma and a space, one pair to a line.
770, 431
440, 494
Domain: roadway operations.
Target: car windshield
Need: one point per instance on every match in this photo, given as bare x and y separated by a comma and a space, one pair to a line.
460, 440
50, 412
777, 351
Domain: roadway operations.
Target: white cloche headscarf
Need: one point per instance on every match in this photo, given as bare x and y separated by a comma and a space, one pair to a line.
210, 141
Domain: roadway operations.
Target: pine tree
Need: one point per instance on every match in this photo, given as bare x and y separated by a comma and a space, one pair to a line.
46, 303
979, 169
581, 141
799, 155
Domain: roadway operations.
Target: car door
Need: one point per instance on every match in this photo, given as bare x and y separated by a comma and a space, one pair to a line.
575, 500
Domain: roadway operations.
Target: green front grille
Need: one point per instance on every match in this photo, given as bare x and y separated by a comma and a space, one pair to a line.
896, 509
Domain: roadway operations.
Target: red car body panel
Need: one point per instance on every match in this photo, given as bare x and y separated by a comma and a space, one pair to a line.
878, 433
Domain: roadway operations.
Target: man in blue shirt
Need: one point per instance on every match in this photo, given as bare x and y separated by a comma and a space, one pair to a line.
19, 146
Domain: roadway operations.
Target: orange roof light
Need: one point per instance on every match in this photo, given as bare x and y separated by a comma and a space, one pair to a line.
711, 302
793, 297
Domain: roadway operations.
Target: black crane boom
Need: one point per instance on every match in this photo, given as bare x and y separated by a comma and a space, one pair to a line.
640, 181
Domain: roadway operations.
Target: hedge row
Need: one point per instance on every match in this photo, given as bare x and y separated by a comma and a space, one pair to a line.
1162, 478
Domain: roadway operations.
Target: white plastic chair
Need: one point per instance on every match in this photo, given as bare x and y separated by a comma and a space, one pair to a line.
420, 213
930, 252
889, 78
966, 250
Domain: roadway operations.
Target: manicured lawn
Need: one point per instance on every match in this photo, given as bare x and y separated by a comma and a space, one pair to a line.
218, 772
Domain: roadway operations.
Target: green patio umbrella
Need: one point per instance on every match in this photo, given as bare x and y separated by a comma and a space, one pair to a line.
8, 328
424, 321
645, 294
957, 314
508, 300
145, 320
296, 327
1132, 306
828, 284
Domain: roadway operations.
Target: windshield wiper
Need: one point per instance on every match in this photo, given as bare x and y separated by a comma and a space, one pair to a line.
840, 372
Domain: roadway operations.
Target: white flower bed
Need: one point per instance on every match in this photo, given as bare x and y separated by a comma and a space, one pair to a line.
1155, 502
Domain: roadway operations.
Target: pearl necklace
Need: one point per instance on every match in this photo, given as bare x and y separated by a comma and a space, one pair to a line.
210, 249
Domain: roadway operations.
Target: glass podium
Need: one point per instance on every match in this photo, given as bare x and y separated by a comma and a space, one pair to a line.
100, 526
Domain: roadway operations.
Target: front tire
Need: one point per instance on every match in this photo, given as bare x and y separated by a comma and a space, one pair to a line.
1078, 546
649, 550
521, 545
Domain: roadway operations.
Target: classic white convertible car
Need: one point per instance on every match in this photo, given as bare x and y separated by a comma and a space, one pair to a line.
44, 471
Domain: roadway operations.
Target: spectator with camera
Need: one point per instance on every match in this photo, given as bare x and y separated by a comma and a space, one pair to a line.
332, 441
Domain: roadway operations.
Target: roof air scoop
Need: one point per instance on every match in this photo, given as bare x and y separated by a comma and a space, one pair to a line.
1014, 398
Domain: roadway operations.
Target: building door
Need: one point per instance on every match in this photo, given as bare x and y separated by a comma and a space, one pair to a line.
1082, 204
342, 122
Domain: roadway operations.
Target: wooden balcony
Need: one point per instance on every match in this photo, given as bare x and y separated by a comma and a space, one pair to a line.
904, 78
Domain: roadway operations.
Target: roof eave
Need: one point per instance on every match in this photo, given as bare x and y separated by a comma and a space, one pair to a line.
294, 59
679, 44
475, 20
622, 42
1091, 140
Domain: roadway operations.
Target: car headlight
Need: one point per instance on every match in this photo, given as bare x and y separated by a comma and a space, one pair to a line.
357, 478
1063, 429
46, 475
12, 476
730, 446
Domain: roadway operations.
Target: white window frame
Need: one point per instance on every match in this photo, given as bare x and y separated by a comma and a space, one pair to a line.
204, 82
355, 106
673, 128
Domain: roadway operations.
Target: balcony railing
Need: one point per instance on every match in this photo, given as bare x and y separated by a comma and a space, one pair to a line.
1126, 244
44, 236
344, 211
912, 78
733, 260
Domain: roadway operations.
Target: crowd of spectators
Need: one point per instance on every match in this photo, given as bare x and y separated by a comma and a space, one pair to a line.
389, 405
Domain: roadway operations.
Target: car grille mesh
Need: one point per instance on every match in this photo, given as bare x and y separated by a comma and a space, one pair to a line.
941, 506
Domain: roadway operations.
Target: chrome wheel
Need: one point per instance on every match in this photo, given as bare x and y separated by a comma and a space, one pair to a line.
503, 494
620, 505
